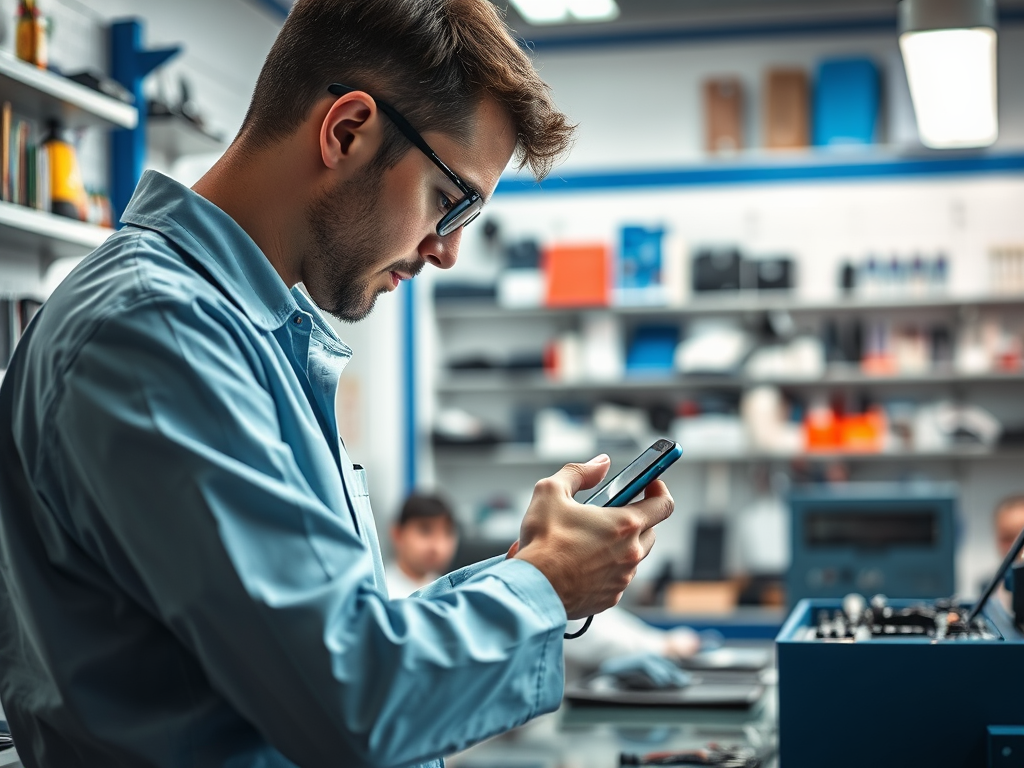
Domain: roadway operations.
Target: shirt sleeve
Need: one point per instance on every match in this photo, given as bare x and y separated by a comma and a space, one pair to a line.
181, 481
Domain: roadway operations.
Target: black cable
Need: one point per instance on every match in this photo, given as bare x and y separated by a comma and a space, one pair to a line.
1011, 555
584, 628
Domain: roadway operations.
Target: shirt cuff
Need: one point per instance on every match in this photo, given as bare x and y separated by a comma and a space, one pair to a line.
529, 585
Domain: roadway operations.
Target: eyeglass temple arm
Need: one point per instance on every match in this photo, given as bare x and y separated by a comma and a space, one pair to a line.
339, 89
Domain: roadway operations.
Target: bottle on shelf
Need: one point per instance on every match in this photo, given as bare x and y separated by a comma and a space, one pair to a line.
67, 192
31, 34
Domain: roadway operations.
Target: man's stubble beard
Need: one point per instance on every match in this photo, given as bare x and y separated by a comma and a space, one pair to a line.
345, 247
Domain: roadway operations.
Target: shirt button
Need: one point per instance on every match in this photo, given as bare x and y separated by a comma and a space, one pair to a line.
298, 321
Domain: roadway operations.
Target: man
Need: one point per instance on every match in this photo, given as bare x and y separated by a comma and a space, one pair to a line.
190, 571
1009, 522
424, 538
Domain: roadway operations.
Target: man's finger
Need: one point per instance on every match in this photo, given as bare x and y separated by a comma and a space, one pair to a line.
657, 504
576, 477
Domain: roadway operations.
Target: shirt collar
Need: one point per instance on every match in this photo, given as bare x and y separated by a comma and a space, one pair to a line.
218, 243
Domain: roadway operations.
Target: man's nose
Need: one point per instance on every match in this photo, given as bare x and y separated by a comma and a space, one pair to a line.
442, 252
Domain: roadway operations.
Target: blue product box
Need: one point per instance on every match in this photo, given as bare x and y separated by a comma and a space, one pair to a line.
846, 102
897, 701
640, 269
652, 350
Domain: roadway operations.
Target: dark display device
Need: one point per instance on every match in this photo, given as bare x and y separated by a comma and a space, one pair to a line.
628, 484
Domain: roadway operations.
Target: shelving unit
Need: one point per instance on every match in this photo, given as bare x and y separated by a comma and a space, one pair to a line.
749, 303
175, 137
525, 456
41, 95
48, 236
511, 383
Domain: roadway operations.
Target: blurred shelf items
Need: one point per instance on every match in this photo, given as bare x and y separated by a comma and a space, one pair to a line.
711, 346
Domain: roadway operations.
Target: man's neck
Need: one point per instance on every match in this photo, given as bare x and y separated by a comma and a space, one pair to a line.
262, 199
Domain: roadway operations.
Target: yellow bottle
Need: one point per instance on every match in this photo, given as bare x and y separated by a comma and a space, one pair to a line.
67, 191
31, 34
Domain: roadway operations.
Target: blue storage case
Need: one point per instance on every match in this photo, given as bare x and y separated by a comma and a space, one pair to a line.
846, 102
898, 701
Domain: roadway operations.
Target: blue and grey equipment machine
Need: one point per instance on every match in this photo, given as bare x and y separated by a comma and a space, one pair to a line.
872, 537
898, 683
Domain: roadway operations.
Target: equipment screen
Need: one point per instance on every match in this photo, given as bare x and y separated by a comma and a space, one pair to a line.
639, 465
874, 530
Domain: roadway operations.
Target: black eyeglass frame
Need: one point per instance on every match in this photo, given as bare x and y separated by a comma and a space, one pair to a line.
463, 211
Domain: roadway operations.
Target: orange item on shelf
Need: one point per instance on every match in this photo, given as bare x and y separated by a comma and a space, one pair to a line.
821, 430
863, 432
577, 275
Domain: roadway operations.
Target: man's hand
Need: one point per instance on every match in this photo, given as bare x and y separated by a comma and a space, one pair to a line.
589, 554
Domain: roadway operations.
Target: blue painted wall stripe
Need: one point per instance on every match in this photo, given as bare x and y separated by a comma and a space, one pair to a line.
706, 175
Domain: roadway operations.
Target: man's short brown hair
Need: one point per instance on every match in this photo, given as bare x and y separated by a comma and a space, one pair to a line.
433, 60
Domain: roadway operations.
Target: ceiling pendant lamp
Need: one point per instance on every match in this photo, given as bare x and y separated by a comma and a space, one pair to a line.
949, 52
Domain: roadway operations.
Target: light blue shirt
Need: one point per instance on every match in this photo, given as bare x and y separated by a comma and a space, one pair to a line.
190, 573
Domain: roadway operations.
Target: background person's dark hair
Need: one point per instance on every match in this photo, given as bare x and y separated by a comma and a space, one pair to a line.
433, 60
420, 505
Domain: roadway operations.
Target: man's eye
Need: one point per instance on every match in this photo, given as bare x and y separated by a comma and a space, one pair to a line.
446, 202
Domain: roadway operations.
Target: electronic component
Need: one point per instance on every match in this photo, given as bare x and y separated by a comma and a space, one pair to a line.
872, 537
926, 678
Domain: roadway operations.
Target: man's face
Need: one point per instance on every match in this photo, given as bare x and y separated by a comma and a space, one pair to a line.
1009, 523
379, 227
425, 545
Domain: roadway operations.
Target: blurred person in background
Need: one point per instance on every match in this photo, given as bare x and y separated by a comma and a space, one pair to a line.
1009, 522
424, 538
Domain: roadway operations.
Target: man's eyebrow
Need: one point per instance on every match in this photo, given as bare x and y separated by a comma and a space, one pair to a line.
466, 179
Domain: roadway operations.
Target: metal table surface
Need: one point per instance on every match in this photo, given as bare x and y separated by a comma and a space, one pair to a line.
594, 736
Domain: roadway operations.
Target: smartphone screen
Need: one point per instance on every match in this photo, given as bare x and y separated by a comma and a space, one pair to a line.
659, 453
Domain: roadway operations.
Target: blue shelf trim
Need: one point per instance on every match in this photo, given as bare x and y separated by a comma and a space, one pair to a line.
130, 62
760, 174
844, 26
409, 379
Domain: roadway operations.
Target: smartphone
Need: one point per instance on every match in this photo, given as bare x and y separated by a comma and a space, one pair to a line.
628, 484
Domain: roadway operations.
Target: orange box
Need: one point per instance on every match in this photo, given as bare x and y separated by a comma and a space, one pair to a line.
577, 275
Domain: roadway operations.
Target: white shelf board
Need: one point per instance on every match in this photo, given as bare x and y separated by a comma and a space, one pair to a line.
734, 304
41, 95
496, 382
175, 137
47, 235
524, 456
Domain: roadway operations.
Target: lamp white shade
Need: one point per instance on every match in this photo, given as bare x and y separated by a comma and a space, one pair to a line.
541, 11
558, 11
952, 76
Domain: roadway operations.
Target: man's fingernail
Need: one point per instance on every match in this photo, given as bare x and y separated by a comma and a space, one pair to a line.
603, 458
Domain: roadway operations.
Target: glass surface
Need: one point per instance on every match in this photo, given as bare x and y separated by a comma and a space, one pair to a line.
876, 529
636, 468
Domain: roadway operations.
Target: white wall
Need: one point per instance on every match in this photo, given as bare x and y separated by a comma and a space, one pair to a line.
639, 107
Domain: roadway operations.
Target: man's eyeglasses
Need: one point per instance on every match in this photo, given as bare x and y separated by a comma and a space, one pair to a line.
463, 211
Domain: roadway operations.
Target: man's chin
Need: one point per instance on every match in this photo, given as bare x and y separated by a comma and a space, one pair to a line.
348, 313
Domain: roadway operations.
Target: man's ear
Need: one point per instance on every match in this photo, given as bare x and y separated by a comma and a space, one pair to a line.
351, 131
396, 533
